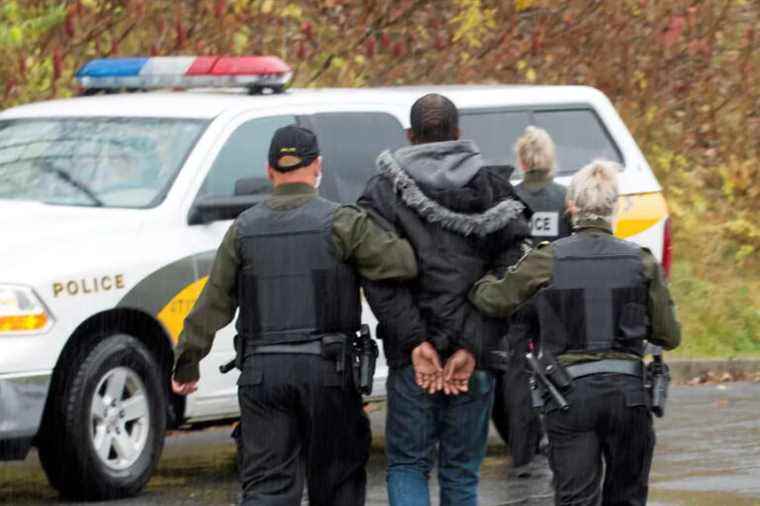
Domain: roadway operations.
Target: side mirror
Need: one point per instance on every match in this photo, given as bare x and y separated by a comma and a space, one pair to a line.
209, 208
249, 191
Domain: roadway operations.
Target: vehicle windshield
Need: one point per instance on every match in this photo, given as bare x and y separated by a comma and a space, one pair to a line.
108, 162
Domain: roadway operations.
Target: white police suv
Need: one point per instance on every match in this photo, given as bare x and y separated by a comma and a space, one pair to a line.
112, 206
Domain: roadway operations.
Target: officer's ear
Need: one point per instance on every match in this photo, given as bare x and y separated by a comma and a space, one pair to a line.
456, 133
270, 173
410, 135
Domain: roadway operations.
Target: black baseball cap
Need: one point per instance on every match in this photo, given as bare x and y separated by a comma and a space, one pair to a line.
292, 147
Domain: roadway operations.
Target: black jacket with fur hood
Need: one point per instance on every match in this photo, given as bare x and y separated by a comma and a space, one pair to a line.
460, 215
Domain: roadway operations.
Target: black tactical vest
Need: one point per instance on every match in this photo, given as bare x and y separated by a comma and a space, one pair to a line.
597, 298
291, 287
549, 221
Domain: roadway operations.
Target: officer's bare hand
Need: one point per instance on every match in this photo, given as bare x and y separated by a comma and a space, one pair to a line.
184, 388
457, 371
428, 372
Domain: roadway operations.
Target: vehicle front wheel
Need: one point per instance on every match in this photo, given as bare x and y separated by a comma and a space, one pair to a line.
108, 422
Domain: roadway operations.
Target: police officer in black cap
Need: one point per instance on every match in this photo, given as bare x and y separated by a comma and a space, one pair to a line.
290, 265
598, 299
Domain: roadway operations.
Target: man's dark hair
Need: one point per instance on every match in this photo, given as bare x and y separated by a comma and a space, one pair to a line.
434, 118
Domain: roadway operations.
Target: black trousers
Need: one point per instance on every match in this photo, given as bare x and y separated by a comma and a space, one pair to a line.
524, 423
301, 421
607, 431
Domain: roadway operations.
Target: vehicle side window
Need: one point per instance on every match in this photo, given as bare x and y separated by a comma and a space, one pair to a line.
350, 142
494, 132
244, 156
579, 136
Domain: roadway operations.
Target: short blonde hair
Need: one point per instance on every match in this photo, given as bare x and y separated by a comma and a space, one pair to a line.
535, 150
593, 192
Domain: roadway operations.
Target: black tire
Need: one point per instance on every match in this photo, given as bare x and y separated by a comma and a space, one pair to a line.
67, 447
500, 413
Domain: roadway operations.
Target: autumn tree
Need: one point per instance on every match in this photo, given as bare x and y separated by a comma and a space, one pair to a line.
682, 73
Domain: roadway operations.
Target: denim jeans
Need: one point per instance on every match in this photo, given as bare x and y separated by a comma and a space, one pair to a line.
419, 424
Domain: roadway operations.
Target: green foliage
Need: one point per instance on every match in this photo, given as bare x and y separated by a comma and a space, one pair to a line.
21, 26
682, 73
720, 317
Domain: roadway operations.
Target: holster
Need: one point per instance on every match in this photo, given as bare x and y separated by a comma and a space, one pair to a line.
364, 353
549, 381
657, 383
555, 371
537, 393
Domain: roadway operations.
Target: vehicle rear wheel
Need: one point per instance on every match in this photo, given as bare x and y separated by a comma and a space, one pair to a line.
109, 421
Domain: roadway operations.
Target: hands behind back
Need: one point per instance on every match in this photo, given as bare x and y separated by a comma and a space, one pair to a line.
428, 372
457, 372
453, 378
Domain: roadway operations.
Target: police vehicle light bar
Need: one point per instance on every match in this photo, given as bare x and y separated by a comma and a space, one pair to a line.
252, 72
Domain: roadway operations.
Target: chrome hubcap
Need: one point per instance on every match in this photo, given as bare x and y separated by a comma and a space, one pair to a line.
119, 418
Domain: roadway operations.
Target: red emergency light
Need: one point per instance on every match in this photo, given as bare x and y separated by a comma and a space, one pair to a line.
256, 73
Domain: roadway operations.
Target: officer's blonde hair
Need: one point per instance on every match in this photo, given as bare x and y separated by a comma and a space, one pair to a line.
593, 192
535, 150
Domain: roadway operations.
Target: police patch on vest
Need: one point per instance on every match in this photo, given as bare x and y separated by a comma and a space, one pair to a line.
544, 224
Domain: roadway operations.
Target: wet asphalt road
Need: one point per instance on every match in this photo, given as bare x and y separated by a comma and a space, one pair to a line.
708, 454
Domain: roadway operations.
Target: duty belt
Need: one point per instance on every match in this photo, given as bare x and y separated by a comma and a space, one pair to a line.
309, 348
610, 366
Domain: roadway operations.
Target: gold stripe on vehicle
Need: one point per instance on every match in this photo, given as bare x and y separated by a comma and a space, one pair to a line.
174, 313
640, 212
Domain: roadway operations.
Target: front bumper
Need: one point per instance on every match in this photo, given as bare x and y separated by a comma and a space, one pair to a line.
22, 399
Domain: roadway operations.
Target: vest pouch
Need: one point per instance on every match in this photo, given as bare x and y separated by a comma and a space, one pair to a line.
633, 321
562, 317
334, 350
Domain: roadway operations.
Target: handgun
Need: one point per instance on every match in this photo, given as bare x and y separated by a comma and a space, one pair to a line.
540, 375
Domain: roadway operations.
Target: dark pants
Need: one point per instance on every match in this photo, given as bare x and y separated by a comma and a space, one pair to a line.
524, 423
607, 430
299, 421
418, 423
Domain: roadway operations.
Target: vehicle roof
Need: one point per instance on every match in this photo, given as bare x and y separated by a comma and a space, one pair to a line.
209, 104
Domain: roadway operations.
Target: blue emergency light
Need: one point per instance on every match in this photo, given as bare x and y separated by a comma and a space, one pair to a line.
253, 72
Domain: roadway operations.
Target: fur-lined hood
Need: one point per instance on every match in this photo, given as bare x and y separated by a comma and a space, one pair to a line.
496, 217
